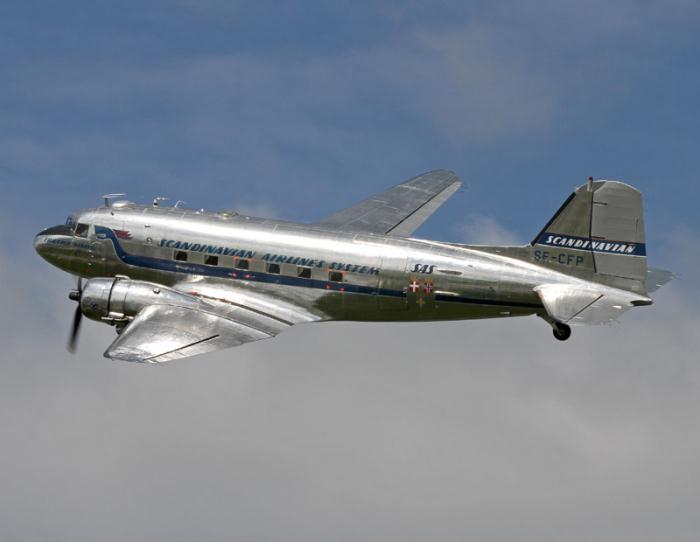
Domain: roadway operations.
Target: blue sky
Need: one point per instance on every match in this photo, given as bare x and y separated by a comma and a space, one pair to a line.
486, 430
304, 108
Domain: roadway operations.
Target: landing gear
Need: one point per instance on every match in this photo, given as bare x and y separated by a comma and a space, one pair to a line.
561, 331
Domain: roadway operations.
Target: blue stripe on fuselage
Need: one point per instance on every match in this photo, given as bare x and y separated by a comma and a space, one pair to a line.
254, 276
240, 274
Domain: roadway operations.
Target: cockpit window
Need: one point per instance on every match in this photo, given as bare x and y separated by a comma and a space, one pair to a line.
70, 222
81, 230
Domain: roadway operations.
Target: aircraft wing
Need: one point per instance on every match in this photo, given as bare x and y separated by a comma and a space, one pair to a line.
576, 304
225, 318
400, 210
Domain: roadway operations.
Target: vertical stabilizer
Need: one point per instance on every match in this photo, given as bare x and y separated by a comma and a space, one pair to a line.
597, 234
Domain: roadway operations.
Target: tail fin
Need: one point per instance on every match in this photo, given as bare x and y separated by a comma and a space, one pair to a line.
598, 234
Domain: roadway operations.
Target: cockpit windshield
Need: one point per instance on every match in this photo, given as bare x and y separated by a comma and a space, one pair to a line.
70, 222
81, 230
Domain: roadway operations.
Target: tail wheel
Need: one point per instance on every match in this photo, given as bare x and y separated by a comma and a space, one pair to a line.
561, 331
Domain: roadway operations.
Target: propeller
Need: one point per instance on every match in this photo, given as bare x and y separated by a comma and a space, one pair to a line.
75, 295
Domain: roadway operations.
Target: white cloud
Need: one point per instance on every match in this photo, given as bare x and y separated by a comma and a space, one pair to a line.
485, 230
484, 429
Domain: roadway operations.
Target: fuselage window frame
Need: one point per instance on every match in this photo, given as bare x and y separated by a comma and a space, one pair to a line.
180, 256
335, 276
211, 260
274, 268
243, 264
303, 272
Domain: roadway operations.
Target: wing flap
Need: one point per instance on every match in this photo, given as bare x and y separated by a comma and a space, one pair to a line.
400, 210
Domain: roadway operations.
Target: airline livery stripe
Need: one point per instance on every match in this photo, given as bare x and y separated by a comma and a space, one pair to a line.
624, 248
254, 276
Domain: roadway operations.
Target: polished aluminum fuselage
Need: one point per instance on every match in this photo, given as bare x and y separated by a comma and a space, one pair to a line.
383, 278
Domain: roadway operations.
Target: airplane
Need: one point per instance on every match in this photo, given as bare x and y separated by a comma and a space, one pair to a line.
178, 282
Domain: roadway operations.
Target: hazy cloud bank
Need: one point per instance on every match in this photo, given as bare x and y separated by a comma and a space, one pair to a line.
488, 430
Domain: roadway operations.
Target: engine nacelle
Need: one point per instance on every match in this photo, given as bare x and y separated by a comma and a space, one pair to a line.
118, 299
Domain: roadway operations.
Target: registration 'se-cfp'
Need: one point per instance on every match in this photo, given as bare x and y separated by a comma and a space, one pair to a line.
177, 282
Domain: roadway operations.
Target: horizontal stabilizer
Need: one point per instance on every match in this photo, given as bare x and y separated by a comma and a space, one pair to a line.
576, 304
656, 278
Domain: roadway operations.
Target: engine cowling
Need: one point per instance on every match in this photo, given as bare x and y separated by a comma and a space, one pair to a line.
120, 299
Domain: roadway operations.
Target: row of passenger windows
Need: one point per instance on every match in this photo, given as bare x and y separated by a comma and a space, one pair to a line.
81, 230
240, 263
272, 268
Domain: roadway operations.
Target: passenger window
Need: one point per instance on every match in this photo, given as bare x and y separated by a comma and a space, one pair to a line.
273, 268
180, 256
304, 272
335, 276
211, 260
81, 230
242, 264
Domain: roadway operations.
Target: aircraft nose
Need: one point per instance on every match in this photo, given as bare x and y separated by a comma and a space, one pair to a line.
40, 242
41, 239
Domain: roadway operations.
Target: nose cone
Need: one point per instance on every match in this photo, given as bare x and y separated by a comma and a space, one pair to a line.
51, 241
39, 241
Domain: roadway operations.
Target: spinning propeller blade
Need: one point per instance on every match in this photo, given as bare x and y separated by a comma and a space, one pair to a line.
75, 295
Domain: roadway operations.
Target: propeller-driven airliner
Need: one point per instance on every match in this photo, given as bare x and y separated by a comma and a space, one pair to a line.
177, 282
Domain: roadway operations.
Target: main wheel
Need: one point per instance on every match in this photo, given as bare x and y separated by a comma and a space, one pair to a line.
561, 332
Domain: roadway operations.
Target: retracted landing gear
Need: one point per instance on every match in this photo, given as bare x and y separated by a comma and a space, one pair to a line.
561, 331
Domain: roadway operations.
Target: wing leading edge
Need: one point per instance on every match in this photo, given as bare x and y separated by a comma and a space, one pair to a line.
400, 210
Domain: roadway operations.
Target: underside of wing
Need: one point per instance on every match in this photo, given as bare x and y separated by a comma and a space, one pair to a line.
225, 317
166, 332
400, 210
576, 304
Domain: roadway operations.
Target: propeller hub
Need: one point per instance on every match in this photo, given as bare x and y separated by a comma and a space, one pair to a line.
74, 295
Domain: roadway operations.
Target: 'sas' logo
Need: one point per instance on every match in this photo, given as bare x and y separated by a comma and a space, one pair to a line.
423, 268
